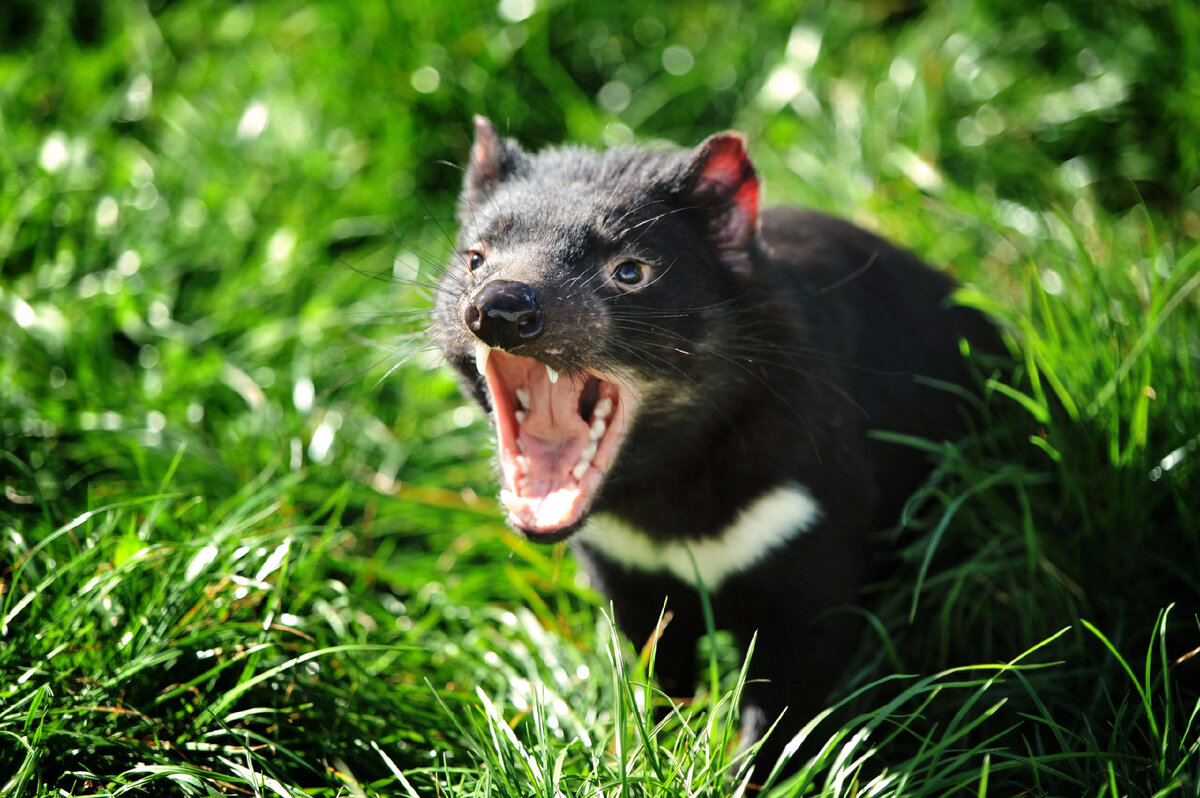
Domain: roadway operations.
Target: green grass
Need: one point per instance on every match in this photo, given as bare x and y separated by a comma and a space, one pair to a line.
247, 544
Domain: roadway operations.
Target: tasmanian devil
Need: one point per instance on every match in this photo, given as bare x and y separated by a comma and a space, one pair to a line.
683, 385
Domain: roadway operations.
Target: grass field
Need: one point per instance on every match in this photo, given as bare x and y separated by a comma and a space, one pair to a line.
248, 543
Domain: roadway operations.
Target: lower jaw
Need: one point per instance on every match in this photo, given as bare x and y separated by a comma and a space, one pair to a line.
547, 537
553, 515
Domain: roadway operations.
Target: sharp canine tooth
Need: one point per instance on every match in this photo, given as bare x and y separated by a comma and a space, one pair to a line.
482, 351
603, 408
596, 432
521, 415
552, 374
523, 398
523, 462
580, 469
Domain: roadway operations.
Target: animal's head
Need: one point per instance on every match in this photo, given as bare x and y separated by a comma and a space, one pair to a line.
588, 288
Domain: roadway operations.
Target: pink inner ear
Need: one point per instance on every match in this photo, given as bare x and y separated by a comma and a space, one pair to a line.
485, 153
746, 198
727, 163
728, 177
728, 174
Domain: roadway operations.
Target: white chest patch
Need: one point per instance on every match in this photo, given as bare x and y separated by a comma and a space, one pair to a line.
767, 523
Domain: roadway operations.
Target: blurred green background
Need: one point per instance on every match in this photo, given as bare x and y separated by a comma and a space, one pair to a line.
220, 224
191, 192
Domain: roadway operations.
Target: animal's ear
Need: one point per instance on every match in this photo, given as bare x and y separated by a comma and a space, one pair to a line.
722, 183
492, 160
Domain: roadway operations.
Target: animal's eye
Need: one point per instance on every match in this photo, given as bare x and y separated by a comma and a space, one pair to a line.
630, 273
474, 259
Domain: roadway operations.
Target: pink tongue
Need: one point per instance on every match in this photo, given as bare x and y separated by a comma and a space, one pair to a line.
553, 434
541, 493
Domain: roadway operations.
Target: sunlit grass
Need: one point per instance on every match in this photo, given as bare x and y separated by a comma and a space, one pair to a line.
247, 540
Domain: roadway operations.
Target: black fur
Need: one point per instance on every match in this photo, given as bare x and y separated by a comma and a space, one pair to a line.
763, 353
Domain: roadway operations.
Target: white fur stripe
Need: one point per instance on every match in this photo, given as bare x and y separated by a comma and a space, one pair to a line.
767, 523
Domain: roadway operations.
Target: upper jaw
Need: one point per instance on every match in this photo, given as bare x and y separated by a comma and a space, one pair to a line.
557, 436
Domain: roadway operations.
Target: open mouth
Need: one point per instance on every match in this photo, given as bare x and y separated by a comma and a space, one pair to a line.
557, 435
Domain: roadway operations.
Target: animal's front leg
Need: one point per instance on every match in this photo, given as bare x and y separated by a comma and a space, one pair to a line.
640, 600
796, 608
791, 675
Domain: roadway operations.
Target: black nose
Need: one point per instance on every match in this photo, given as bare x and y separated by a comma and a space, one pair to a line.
505, 314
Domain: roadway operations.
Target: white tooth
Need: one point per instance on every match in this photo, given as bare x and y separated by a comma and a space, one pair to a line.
521, 415
596, 432
603, 408
523, 398
580, 469
523, 463
588, 452
520, 446
482, 351
552, 374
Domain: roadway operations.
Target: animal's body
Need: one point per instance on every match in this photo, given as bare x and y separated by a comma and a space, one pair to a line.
684, 386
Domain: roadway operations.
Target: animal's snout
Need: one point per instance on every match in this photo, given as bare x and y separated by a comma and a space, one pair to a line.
506, 314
